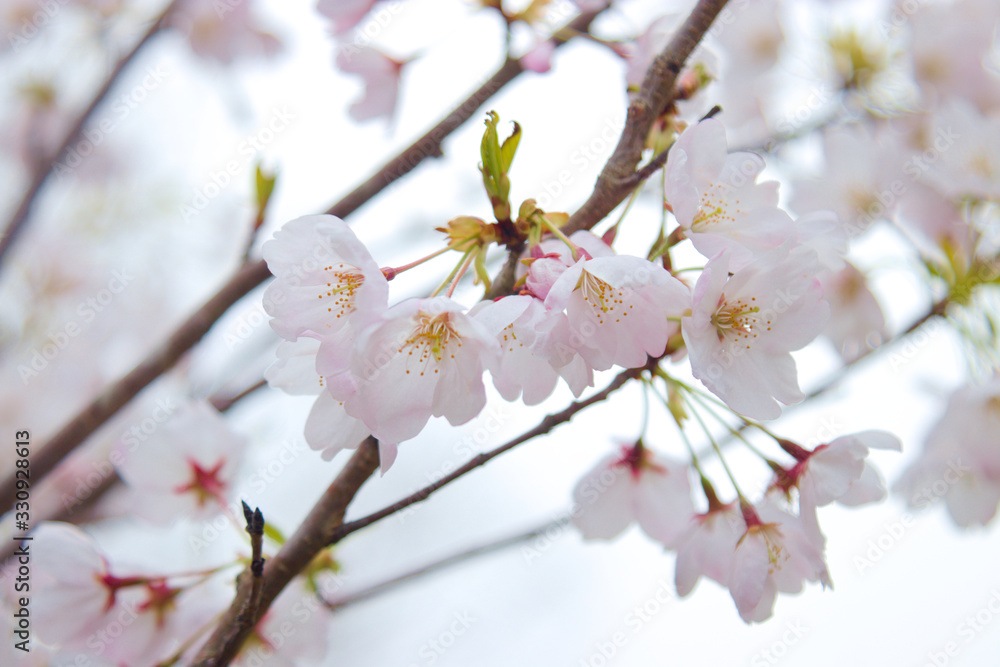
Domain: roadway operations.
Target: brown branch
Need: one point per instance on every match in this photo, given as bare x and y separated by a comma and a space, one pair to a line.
617, 179
44, 169
546, 425
437, 565
294, 556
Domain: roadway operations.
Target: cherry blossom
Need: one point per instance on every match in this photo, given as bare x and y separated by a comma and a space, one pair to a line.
273, 644
539, 58
550, 259
534, 349
328, 429
856, 323
858, 181
707, 546
327, 284
424, 358
948, 45
776, 553
837, 471
381, 76
223, 31
344, 14
961, 459
620, 309
638, 485
743, 328
716, 199
70, 574
186, 468
965, 146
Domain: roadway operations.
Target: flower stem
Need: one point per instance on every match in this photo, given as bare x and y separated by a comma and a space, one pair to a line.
392, 272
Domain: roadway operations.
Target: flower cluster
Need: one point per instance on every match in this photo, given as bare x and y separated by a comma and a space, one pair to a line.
754, 549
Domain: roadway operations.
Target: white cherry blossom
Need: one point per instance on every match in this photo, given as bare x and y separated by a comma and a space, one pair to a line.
186, 468
327, 284
534, 349
381, 75
707, 546
856, 323
634, 485
424, 358
775, 554
743, 328
620, 309
961, 459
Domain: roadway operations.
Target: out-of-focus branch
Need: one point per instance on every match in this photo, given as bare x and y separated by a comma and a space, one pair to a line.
44, 170
294, 556
546, 425
618, 178
454, 559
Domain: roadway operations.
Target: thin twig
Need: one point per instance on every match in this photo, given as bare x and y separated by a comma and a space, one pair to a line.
44, 170
454, 559
294, 556
546, 425
657, 91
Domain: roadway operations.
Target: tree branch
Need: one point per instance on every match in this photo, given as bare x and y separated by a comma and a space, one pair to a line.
448, 561
618, 176
546, 425
41, 174
294, 556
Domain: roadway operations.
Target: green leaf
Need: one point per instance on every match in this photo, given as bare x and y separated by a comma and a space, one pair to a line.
276, 535
265, 188
509, 147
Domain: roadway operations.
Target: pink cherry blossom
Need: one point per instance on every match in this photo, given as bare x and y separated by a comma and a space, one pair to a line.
72, 594
328, 429
837, 471
344, 14
776, 553
961, 459
634, 485
327, 284
856, 323
743, 328
534, 349
707, 546
550, 258
270, 643
424, 358
223, 31
381, 75
620, 309
717, 200
187, 467
539, 58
